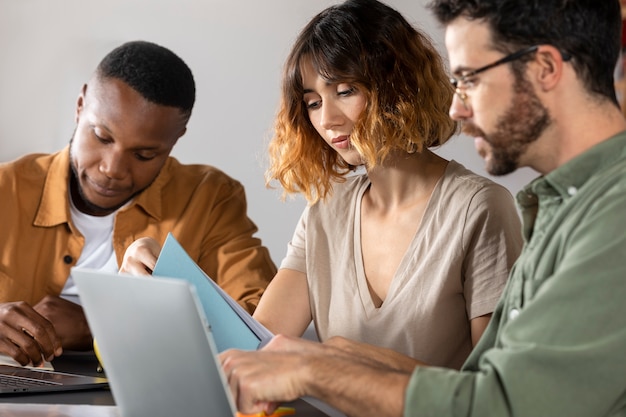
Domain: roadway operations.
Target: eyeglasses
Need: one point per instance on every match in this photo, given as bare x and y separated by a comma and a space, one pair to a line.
461, 83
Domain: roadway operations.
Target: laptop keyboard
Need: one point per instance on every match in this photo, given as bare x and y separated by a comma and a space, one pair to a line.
18, 382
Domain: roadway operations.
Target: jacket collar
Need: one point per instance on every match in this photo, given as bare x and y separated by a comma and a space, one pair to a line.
54, 208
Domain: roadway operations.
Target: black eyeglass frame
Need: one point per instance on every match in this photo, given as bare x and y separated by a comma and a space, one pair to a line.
509, 58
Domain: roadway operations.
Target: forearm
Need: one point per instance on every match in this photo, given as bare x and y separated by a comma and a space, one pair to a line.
357, 388
80, 338
284, 308
375, 355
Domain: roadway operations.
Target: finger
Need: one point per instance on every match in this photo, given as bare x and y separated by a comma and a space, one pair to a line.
141, 256
269, 407
229, 372
232, 368
9, 348
23, 348
148, 261
36, 332
34, 350
32, 333
135, 266
40, 340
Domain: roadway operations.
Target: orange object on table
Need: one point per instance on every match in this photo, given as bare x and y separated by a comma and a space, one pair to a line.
279, 412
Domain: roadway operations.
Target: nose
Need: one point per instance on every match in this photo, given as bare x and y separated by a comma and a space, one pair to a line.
459, 110
113, 165
330, 115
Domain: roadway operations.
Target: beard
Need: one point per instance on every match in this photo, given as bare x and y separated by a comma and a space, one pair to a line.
520, 125
80, 199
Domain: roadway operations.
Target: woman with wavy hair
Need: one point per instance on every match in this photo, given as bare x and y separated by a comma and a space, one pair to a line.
412, 252
400, 254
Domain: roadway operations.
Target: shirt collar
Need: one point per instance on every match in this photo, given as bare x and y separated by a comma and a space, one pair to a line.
570, 177
150, 200
54, 208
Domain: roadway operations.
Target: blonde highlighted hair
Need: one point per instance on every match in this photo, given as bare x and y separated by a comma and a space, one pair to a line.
372, 47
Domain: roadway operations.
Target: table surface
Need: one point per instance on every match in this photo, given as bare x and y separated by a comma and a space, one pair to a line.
92, 403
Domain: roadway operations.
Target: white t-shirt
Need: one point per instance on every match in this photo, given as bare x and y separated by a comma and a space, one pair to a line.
454, 269
98, 250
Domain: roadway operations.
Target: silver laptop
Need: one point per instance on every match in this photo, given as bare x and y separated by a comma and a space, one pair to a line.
18, 380
156, 345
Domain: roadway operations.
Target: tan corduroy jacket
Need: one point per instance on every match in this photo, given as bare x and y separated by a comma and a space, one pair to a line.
201, 206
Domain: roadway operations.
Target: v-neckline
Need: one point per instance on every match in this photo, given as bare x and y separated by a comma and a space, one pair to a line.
361, 280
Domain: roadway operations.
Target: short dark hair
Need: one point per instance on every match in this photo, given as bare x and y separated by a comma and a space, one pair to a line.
588, 30
154, 71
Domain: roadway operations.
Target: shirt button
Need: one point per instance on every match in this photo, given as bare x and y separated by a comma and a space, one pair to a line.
572, 190
68, 259
513, 314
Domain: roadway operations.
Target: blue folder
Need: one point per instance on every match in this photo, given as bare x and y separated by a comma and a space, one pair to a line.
231, 325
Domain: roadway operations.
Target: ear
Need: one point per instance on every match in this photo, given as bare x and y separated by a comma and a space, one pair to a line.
179, 135
550, 66
80, 102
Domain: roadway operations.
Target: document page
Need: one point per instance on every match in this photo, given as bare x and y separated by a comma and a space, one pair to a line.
231, 324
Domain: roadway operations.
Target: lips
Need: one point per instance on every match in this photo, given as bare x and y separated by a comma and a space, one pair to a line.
341, 142
104, 190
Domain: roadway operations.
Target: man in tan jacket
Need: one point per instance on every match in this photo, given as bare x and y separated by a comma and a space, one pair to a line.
114, 183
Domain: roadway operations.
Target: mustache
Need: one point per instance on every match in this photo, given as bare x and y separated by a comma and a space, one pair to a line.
471, 130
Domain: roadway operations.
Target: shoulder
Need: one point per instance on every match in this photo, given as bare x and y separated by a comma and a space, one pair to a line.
176, 174
467, 185
26, 162
344, 191
352, 185
31, 167
340, 204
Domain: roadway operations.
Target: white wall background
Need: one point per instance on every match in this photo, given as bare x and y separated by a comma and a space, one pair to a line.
235, 48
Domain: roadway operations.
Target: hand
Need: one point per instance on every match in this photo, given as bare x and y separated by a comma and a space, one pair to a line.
141, 256
289, 368
68, 320
27, 336
260, 380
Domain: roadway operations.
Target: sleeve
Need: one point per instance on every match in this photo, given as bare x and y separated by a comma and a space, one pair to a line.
564, 354
296, 249
492, 242
230, 253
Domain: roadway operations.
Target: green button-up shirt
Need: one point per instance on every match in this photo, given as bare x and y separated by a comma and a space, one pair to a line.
556, 344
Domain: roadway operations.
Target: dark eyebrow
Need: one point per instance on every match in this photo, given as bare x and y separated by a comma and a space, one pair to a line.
460, 70
102, 126
328, 83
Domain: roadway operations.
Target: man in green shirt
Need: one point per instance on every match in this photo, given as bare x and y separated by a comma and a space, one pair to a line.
534, 84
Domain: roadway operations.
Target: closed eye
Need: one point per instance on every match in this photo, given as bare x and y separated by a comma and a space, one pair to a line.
101, 139
466, 82
347, 92
144, 158
312, 105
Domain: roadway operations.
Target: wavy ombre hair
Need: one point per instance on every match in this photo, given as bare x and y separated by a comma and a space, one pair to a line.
408, 94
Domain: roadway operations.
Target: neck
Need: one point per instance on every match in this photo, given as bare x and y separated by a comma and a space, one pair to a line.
577, 127
404, 178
